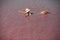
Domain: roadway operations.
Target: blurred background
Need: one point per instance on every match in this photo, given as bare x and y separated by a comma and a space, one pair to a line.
15, 26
